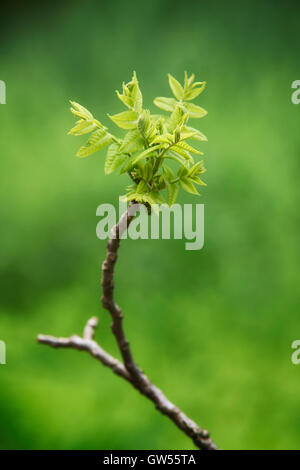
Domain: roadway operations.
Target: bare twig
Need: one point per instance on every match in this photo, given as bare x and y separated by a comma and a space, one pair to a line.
91, 347
108, 289
129, 370
89, 331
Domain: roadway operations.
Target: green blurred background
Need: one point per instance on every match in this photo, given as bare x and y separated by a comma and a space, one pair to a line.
212, 328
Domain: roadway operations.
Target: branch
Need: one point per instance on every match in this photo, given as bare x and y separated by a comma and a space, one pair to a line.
129, 370
87, 344
108, 288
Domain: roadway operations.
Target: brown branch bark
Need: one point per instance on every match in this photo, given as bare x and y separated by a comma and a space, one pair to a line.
128, 370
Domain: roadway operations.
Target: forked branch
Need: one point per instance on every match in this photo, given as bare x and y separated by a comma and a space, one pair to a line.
128, 370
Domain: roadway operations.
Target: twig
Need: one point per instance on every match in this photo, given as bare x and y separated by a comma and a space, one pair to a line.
129, 370
90, 346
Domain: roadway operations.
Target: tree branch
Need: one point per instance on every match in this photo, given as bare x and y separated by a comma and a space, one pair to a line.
129, 370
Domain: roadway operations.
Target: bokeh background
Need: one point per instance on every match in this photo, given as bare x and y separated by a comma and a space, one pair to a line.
212, 328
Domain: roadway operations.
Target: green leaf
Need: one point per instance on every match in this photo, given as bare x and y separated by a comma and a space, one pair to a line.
168, 172
192, 93
159, 122
132, 142
125, 120
197, 180
176, 119
132, 96
83, 127
192, 89
197, 134
163, 139
138, 100
166, 104
176, 88
147, 171
183, 145
129, 196
97, 141
113, 159
187, 185
146, 126
188, 81
153, 198
146, 152
174, 156
197, 169
136, 94
142, 187
172, 190
151, 141
80, 111
127, 100
194, 110
144, 122
184, 153
184, 134
182, 171
127, 165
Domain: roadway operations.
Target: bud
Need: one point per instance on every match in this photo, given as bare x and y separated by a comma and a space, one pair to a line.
143, 122
160, 126
126, 91
147, 171
177, 135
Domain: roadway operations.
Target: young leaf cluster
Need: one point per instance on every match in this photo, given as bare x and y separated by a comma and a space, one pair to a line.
151, 142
